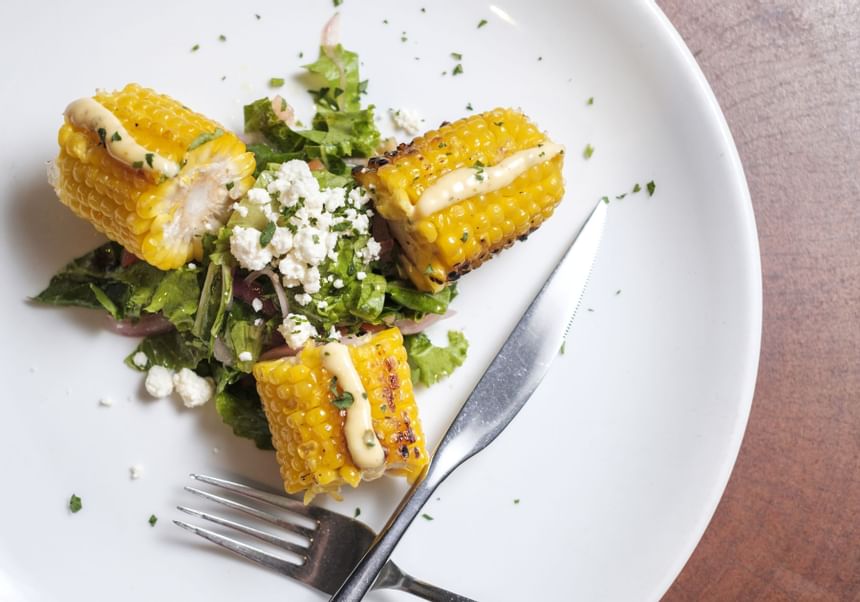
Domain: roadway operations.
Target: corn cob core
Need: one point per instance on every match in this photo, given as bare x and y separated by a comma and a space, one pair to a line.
158, 219
443, 246
308, 430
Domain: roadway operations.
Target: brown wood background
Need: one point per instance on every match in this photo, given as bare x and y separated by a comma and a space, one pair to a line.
787, 75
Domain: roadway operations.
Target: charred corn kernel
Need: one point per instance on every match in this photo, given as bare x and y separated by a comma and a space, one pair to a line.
308, 429
148, 172
448, 240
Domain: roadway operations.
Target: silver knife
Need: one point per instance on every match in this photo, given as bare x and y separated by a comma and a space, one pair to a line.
504, 388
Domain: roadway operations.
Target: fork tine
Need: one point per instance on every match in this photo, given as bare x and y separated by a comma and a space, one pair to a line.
250, 552
271, 498
265, 516
247, 530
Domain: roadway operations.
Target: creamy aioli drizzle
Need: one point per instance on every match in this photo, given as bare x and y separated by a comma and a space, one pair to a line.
361, 440
90, 114
466, 182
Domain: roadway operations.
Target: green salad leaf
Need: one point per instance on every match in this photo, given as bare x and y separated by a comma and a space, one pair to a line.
239, 406
339, 129
176, 297
174, 350
429, 363
407, 296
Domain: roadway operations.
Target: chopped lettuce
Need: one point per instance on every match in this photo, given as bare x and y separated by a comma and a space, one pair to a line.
239, 406
339, 129
174, 350
429, 363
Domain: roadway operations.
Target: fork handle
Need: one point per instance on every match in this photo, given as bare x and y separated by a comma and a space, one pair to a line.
364, 574
426, 591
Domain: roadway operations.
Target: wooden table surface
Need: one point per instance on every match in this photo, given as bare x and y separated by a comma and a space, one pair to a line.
787, 75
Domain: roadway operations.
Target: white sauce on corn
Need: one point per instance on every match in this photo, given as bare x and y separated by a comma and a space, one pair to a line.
467, 182
90, 114
361, 440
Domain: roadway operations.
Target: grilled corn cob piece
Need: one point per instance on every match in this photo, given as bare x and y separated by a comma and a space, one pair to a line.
148, 172
309, 431
457, 195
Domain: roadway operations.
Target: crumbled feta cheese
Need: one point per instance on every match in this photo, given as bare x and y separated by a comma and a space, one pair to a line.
370, 252
135, 472
360, 275
303, 299
322, 305
246, 356
337, 283
407, 120
296, 330
292, 270
245, 247
258, 322
311, 281
240, 209
159, 381
193, 390
282, 241
140, 360
192, 266
106, 402
259, 196
256, 304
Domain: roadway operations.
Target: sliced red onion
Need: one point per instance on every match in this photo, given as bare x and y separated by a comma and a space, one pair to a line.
127, 259
221, 352
413, 327
330, 35
278, 352
283, 111
148, 324
248, 291
276, 284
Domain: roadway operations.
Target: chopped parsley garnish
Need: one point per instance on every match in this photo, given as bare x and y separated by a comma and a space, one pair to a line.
102, 133
651, 186
465, 237
137, 164
605, 199
590, 101
621, 196
276, 82
267, 234
385, 21
458, 69
149, 157
637, 187
222, 38
456, 56
426, 516
337, 2
357, 512
618, 292
152, 520
479, 171
75, 504
498, 124
588, 151
116, 137
540, 58
469, 106
403, 38
517, 501
481, 23
257, 16
429, 269
342, 399
423, 10
195, 48
204, 138
229, 185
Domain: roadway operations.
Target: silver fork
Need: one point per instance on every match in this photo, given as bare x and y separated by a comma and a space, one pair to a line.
335, 543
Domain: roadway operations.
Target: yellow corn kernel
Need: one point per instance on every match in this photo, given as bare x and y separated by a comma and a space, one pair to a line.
157, 217
308, 430
441, 247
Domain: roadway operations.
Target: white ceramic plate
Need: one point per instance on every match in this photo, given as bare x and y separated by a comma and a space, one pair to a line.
621, 456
